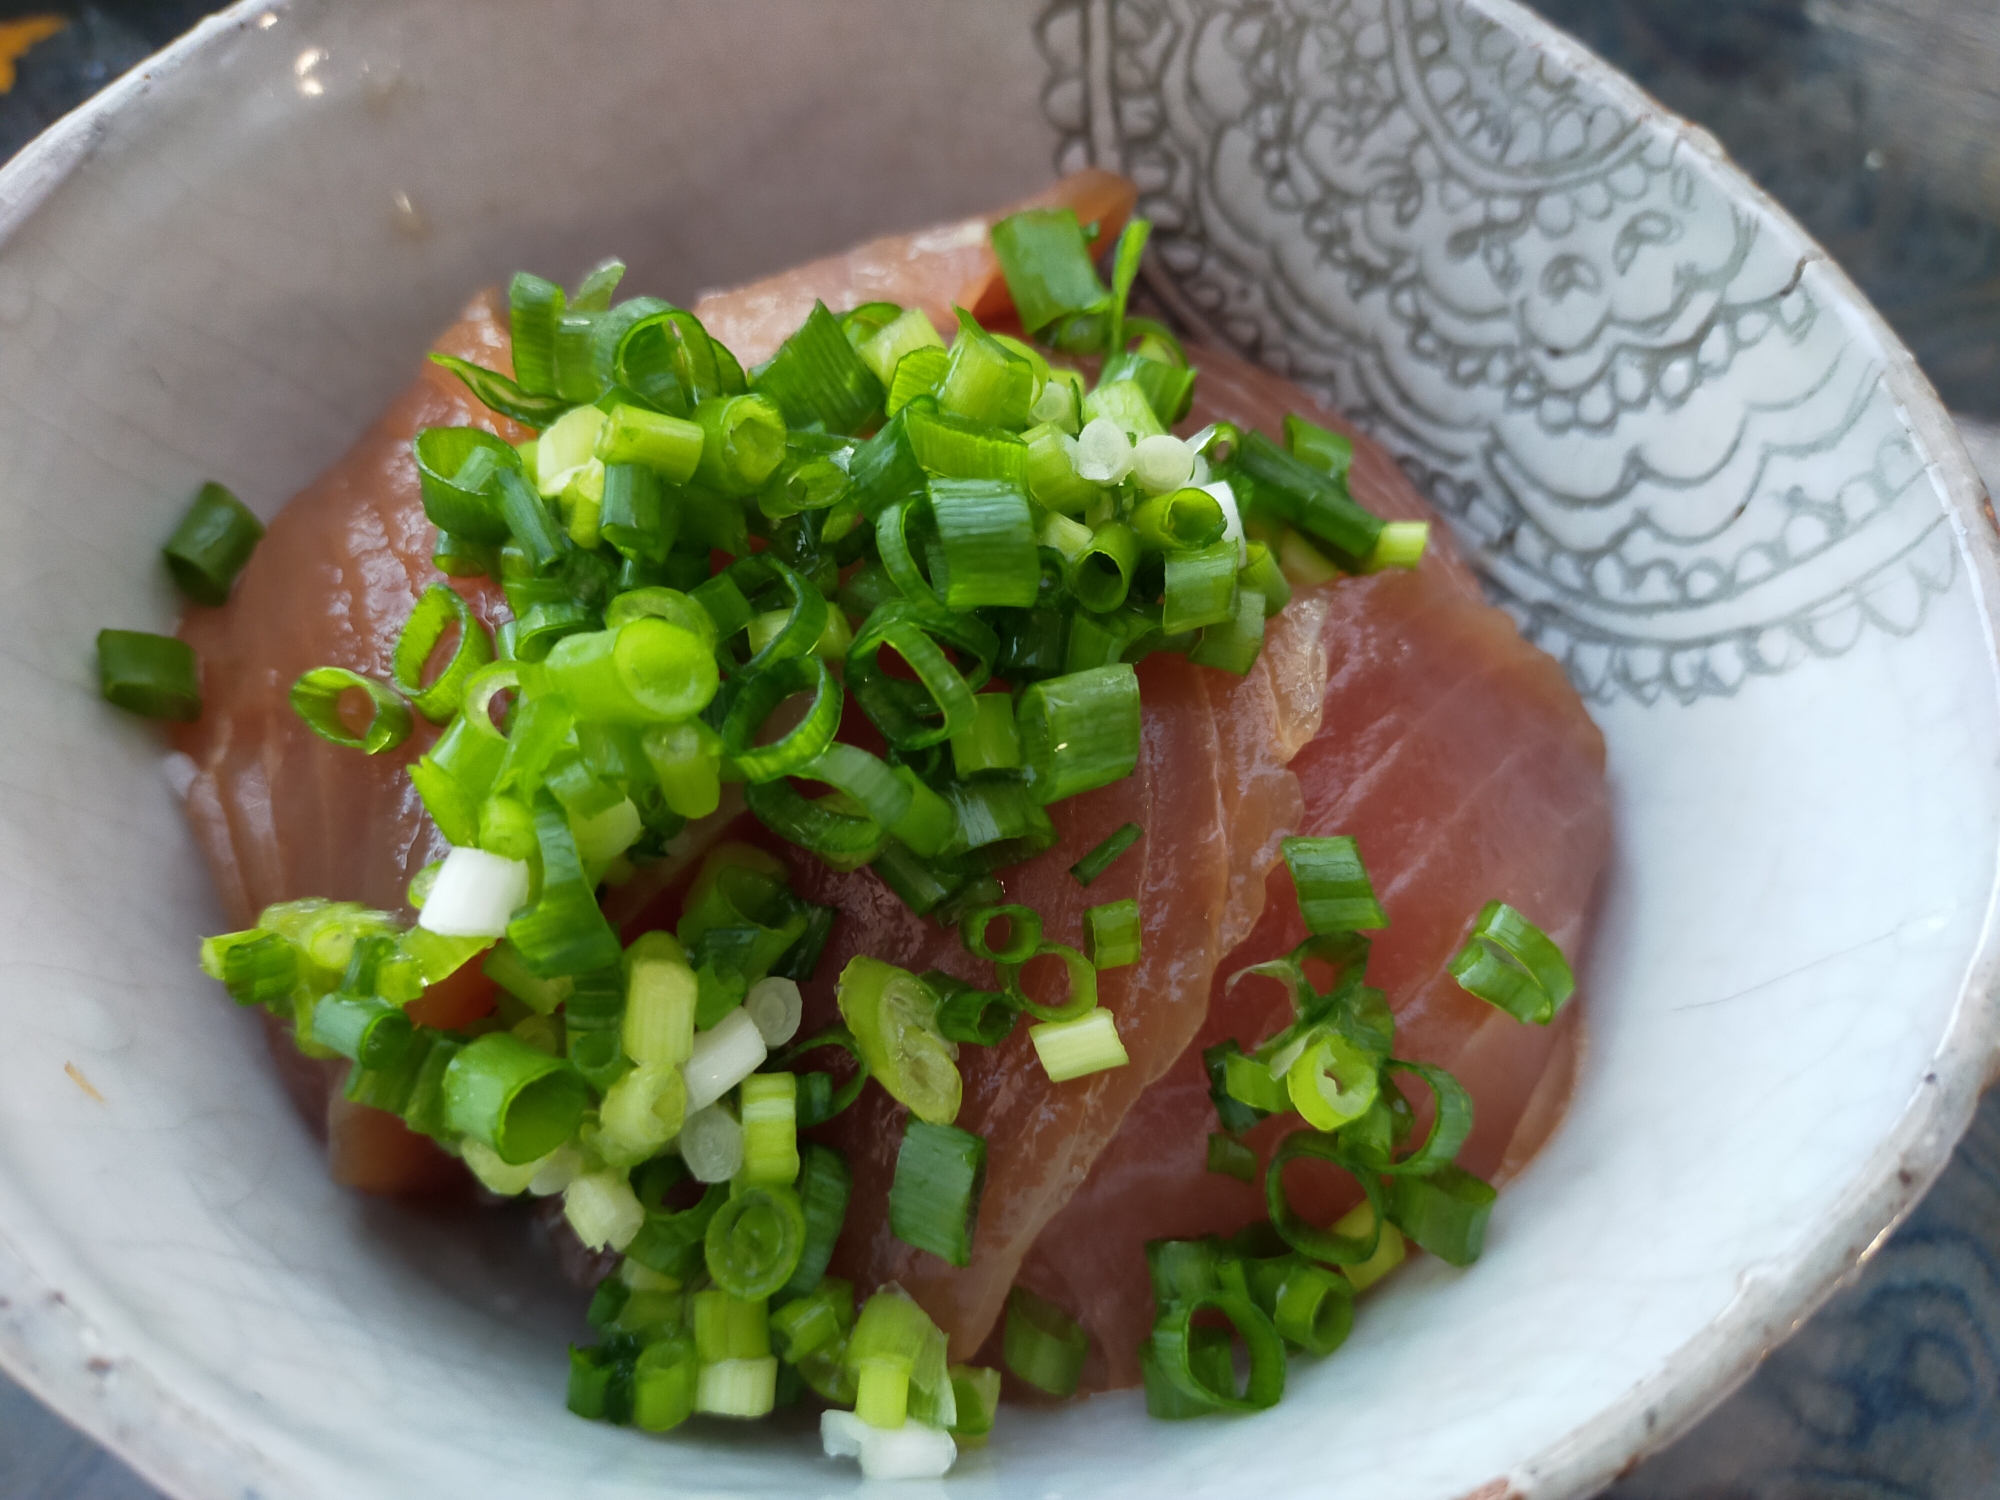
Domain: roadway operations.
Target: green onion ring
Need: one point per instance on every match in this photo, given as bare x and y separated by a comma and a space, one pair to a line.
479, 691
316, 699
1309, 1239
670, 605
438, 607
1174, 1338
754, 1242
913, 633
1450, 1127
805, 622
1082, 984
762, 693
1024, 933
839, 838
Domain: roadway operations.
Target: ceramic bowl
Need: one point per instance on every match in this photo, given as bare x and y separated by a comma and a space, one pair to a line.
1689, 459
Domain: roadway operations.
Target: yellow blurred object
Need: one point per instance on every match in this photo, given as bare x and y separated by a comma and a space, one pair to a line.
16, 37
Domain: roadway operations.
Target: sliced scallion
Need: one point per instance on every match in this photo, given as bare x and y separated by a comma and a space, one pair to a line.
317, 697
1510, 963
212, 543
934, 1200
154, 675
1042, 1344
1101, 858
1112, 934
1079, 731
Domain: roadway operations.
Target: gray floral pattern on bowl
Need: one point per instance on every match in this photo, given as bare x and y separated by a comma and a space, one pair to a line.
1677, 463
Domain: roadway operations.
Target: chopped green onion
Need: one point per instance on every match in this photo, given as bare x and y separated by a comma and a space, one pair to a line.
893, 1018
770, 1129
934, 1201
687, 761
564, 932
892, 1339
1175, 1336
664, 1381
1185, 520
1079, 731
1124, 271
1261, 574
371, 1031
976, 1393
1024, 933
1201, 588
964, 1014
1317, 504
1101, 573
1042, 1345
743, 441
1047, 265
1334, 891
1401, 545
940, 703
212, 543
1124, 405
154, 675
1332, 1081
744, 1388
1100, 859
438, 608
529, 523
1331, 1247
1250, 1082
986, 544
1233, 645
1509, 962
955, 447
818, 1320
1208, 1357
518, 1102
497, 393
256, 966
669, 446
918, 373
602, 1209
597, 1391
1450, 1125
1389, 1249
1332, 453
754, 1242
1167, 388
1445, 1212
644, 672
818, 380
534, 306
1229, 1157
456, 471
729, 1327
1081, 975
1314, 1308
988, 741
985, 382
1112, 934
634, 516
825, 1184
805, 741
909, 332
316, 698
640, 1113
658, 1025
1070, 1049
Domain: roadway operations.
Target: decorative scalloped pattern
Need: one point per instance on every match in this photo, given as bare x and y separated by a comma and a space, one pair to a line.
1675, 460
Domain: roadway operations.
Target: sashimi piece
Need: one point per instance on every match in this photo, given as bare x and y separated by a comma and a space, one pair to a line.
1464, 764
282, 814
937, 269
1198, 878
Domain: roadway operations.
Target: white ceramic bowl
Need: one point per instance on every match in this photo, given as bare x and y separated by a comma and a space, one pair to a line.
1693, 462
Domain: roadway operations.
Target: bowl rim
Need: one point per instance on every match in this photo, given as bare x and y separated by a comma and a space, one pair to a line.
51, 1347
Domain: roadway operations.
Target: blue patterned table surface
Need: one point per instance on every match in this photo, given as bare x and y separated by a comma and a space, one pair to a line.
1877, 122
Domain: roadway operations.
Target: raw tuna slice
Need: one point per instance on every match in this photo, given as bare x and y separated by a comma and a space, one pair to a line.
1465, 765
282, 814
1212, 792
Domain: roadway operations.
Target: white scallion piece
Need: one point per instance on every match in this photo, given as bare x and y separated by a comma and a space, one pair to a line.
712, 1145
912, 1451
1232, 517
474, 894
774, 1006
556, 1171
1161, 463
723, 1056
1103, 452
603, 1210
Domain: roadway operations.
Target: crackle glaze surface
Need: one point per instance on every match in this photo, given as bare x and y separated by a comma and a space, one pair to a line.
1620, 373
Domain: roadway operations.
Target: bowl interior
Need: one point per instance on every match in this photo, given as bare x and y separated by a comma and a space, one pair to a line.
248, 256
